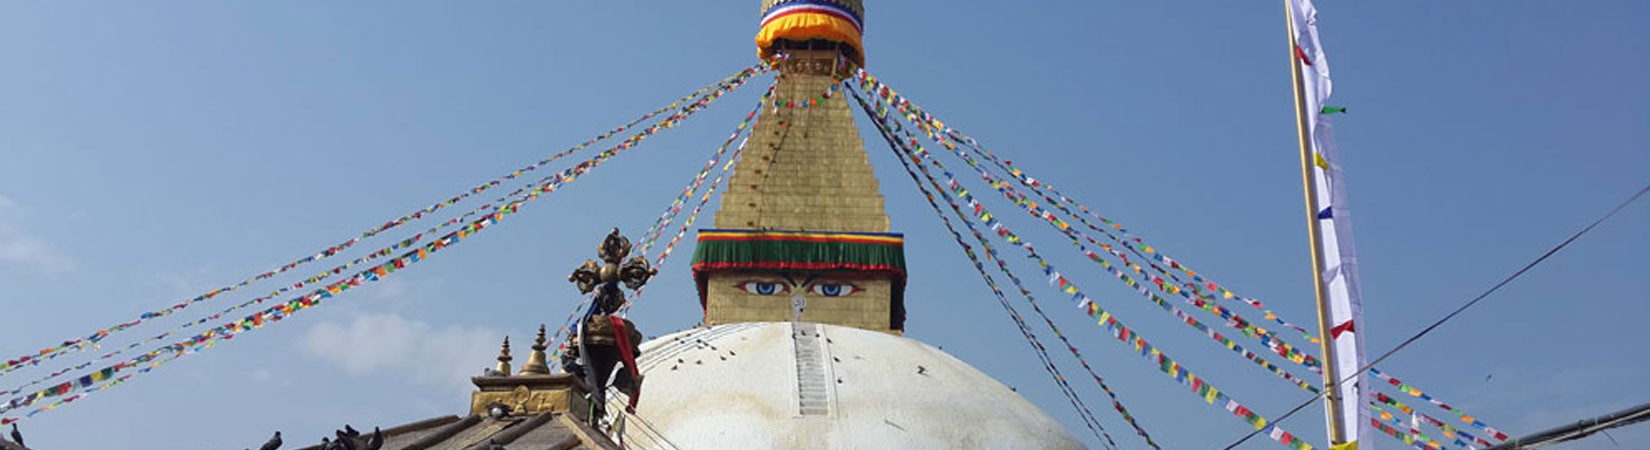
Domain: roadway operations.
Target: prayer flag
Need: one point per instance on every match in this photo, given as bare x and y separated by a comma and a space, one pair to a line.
1340, 259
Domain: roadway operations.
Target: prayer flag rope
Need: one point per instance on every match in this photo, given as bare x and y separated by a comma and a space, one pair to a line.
669, 215
72, 398
382, 252
1167, 365
1420, 439
210, 338
1449, 431
884, 124
1233, 320
675, 207
693, 216
1415, 392
89, 340
1128, 240
812, 101
1019, 321
1395, 433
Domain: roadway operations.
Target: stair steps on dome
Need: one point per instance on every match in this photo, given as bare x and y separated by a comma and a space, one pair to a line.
812, 385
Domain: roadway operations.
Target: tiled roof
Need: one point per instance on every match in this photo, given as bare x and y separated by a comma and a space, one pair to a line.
547, 431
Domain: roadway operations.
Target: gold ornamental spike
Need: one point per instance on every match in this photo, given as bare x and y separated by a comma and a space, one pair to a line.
504, 358
536, 361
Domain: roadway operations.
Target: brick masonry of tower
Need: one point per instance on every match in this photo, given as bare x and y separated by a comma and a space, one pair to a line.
804, 169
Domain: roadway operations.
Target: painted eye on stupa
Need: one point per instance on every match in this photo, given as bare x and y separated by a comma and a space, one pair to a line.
834, 289
764, 287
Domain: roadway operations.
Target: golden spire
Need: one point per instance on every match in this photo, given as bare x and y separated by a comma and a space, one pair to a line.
536, 364
504, 358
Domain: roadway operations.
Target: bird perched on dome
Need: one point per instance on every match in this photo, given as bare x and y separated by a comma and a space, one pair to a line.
375, 442
273, 443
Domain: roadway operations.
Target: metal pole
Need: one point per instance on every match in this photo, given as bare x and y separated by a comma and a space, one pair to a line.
1331, 380
1580, 429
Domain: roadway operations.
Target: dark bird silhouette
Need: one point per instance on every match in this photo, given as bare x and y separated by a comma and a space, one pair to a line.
376, 441
326, 444
922, 370
17, 436
344, 441
273, 443
351, 432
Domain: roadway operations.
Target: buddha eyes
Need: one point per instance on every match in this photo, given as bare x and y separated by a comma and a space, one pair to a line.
822, 289
835, 289
764, 287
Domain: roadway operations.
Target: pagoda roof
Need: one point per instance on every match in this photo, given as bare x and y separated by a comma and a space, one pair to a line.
551, 430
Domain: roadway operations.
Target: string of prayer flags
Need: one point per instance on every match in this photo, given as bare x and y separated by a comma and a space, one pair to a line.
883, 124
1419, 439
1166, 365
386, 251
811, 101
1449, 430
382, 252
210, 338
1134, 244
676, 205
1394, 433
1233, 320
1019, 320
92, 339
1416, 392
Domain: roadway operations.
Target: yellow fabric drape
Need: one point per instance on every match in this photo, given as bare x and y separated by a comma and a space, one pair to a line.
806, 26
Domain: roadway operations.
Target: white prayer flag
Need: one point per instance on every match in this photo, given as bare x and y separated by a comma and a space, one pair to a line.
1340, 258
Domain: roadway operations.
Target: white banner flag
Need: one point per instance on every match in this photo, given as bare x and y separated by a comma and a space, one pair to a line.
1340, 259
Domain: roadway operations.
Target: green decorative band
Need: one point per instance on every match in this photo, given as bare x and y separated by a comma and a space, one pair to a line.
769, 250
786, 250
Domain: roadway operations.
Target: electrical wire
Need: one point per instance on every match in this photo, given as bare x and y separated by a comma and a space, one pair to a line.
1458, 310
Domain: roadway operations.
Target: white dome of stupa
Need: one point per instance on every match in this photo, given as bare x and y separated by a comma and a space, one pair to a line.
814, 386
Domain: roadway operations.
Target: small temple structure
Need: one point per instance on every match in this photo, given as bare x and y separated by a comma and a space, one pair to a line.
802, 284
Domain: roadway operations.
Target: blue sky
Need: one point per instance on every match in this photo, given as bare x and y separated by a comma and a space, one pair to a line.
148, 154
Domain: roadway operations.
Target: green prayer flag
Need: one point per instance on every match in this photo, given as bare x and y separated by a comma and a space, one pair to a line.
1331, 109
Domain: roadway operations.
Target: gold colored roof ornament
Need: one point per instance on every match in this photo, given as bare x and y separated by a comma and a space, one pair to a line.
503, 368
536, 361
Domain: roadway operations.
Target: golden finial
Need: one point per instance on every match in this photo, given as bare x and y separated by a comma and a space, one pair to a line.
504, 358
536, 364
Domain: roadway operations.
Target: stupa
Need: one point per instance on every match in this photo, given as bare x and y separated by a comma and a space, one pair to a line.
802, 285
803, 291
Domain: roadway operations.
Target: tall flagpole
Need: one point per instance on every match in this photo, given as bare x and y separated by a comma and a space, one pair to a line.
1331, 379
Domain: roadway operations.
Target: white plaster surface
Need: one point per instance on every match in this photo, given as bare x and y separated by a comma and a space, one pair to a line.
735, 386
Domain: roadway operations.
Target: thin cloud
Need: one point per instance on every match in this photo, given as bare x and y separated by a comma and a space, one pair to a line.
19, 247
396, 345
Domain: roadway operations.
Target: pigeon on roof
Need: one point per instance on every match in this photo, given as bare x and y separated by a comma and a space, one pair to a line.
273, 443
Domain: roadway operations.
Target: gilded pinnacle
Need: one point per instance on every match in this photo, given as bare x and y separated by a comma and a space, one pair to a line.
504, 358
537, 361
